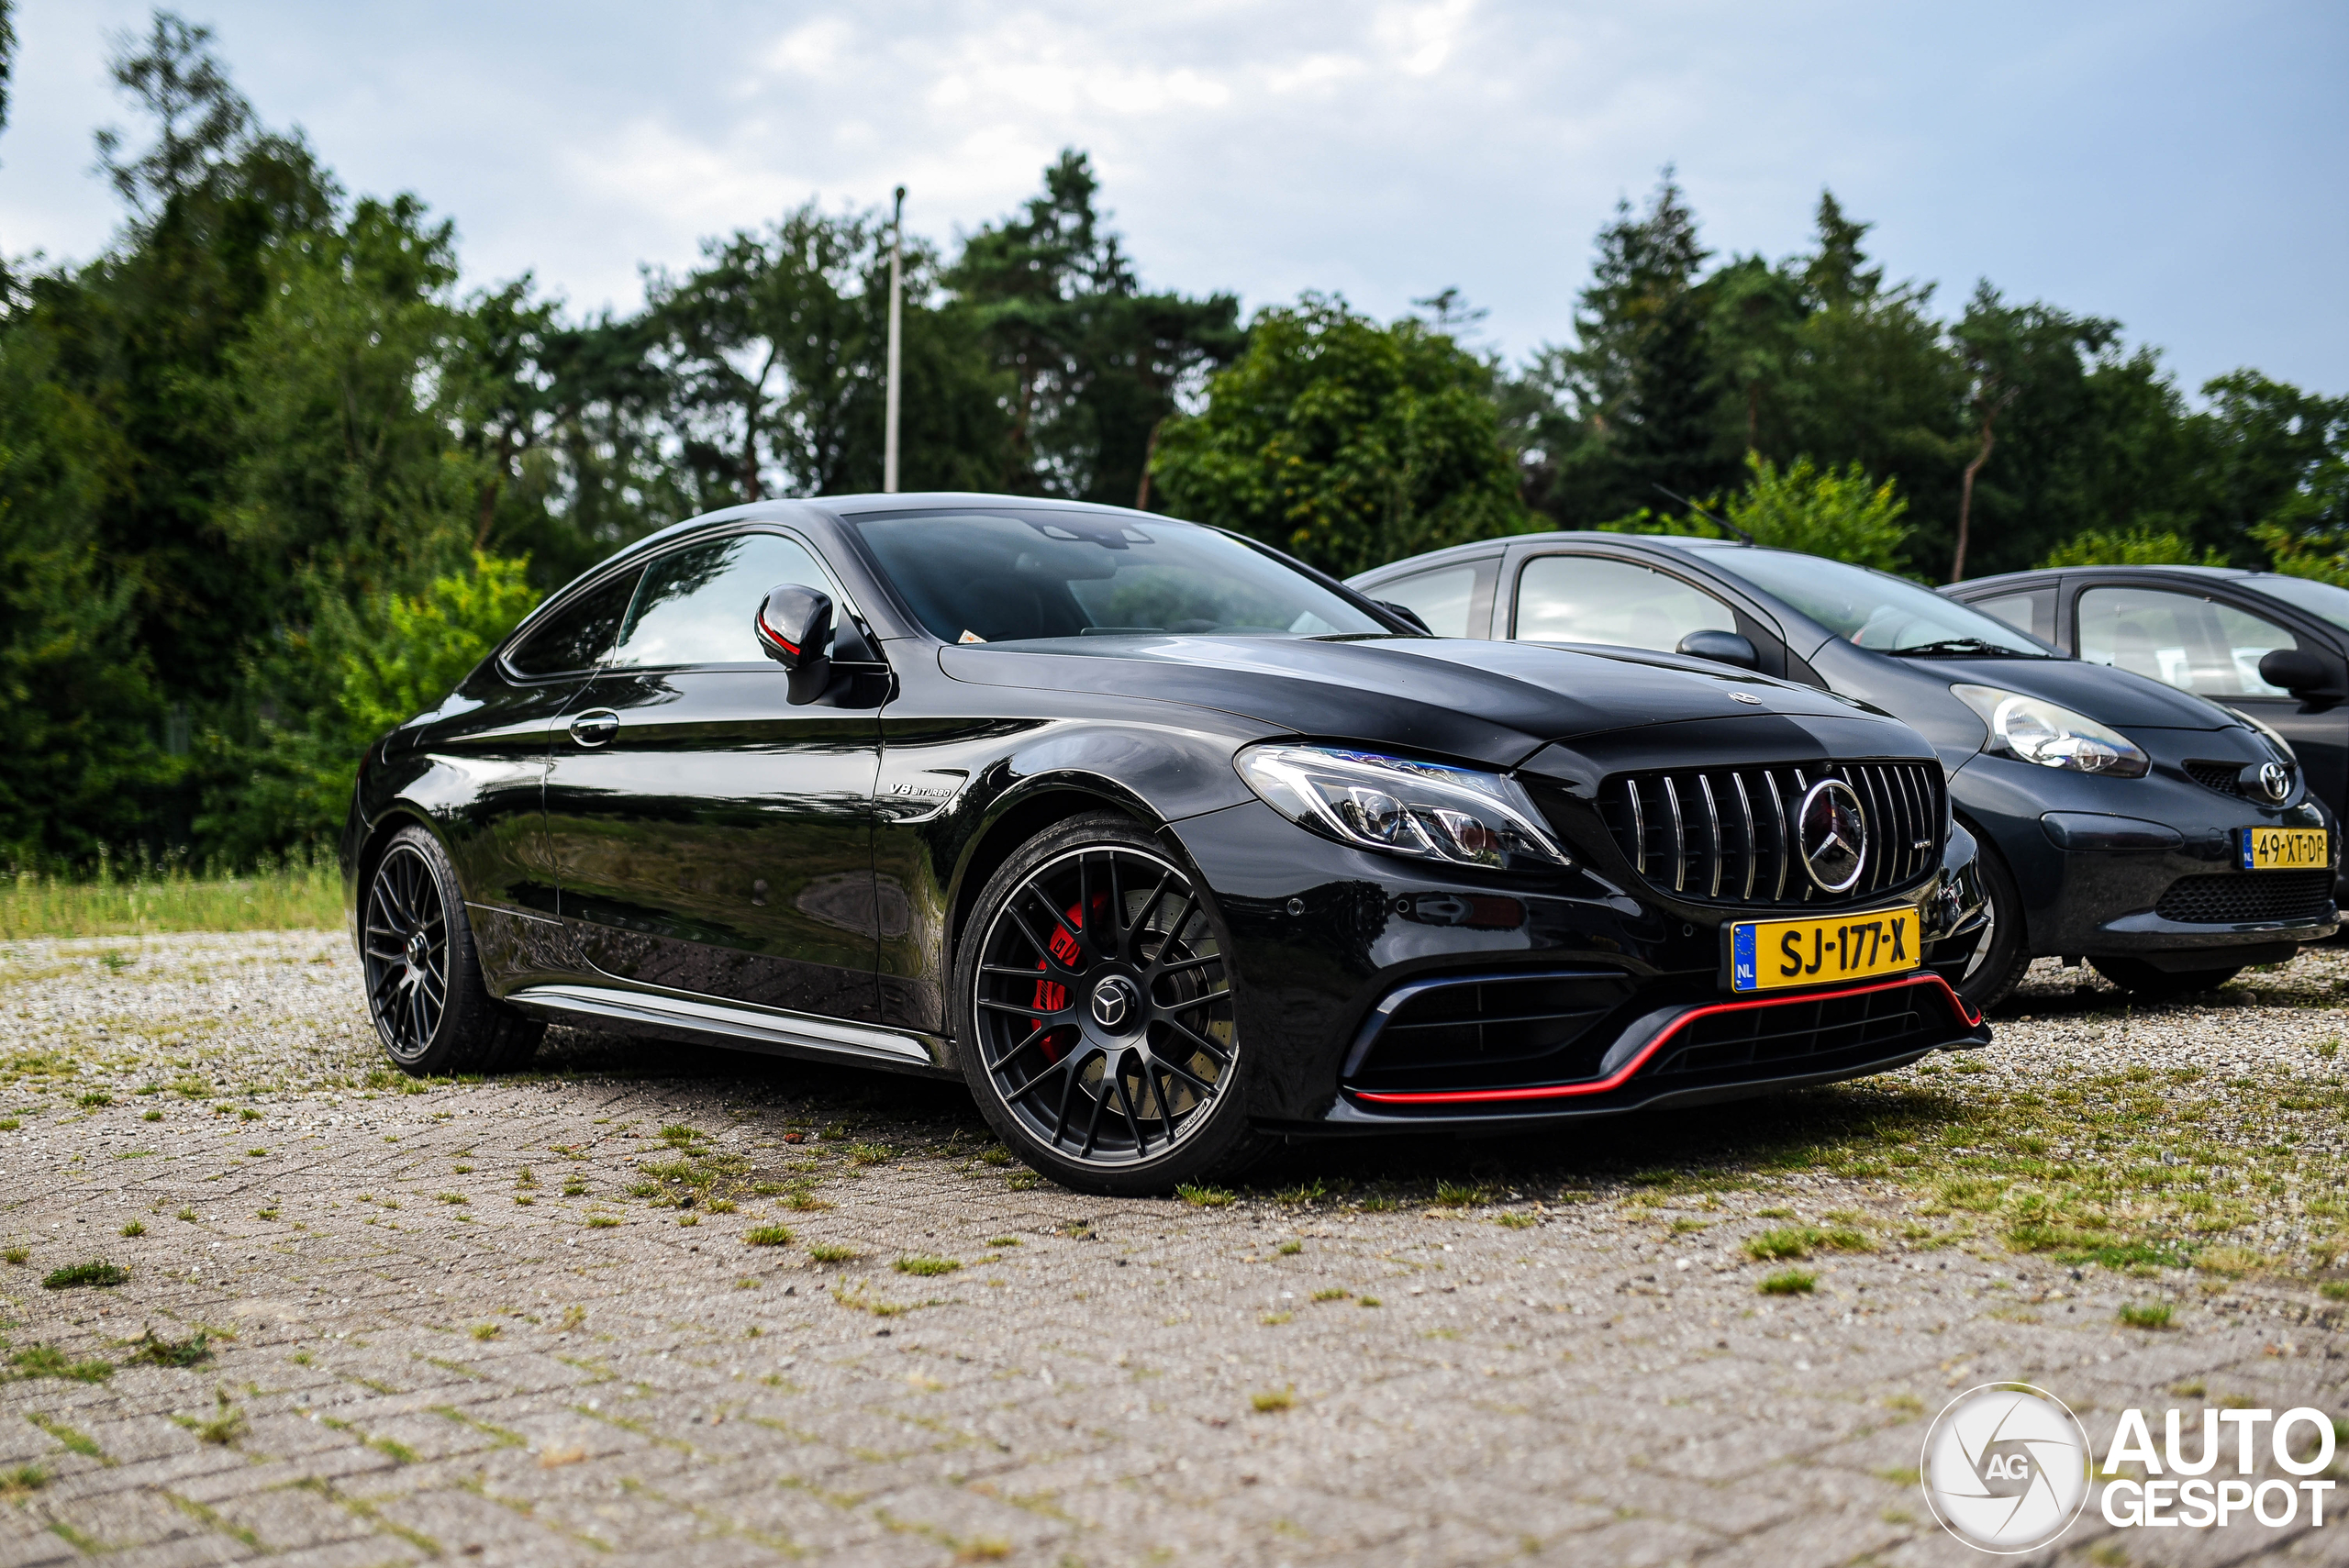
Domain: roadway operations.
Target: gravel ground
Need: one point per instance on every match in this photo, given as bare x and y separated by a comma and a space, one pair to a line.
653, 1303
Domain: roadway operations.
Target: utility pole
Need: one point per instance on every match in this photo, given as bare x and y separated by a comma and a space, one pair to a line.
896, 335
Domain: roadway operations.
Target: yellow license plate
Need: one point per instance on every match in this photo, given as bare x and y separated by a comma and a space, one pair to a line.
1772, 955
2284, 849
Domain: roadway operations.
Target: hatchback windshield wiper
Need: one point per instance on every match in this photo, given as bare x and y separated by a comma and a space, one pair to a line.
1962, 645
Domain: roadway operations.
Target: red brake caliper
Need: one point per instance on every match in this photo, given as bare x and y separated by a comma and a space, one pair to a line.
1050, 995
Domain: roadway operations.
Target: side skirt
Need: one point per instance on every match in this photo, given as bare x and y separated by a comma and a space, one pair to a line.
739, 1025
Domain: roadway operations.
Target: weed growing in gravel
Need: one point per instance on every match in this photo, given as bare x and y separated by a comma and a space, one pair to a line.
228, 1422
269, 1213
9, 1124
1289, 1249
803, 1200
1462, 1194
575, 1186
832, 1253
2147, 1315
689, 1219
1305, 1193
1199, 1197
1514, 1221
601, 1221
95, 1273
870, 1154
926, 1266
1003, 1241
2329, 1047
573, 1318
485, 1330
1366, 1301
1027, 1182
155, 1350
1274, 1320
95, 1099
767, 1236
1274, 1401
134, 1228
47, 1361
18, 1485
721, 1205
151, 1115
16, 1255
247, 1113
998, 1155
1790, 1281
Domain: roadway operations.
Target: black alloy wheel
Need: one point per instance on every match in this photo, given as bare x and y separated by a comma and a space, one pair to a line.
1994, 966
1099, 1027
425, 991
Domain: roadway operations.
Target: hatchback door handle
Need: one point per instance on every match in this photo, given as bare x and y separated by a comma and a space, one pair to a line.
595, 728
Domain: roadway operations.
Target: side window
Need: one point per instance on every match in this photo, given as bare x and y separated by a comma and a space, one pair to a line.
696, 604
1446, 598
2033, 612
575, 637
2181, 639
1585, 598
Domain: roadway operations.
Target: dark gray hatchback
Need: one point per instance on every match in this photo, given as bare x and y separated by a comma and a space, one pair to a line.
2164, 838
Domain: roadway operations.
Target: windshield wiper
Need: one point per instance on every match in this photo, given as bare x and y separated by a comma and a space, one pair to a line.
1962, 645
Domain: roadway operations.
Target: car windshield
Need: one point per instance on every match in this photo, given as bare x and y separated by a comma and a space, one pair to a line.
1015, 576
1875, 609
2317, 599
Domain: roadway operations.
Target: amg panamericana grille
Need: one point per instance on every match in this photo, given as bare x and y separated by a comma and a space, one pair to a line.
1728, 835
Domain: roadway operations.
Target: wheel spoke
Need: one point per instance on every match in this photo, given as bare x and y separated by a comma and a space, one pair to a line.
1179, 965
1166, 1064
1141, 917
1044, 949
1175, 932
1092, 1122
1223, 1057
1222, 995
1126, 1105
1020, 1010
1165, 1102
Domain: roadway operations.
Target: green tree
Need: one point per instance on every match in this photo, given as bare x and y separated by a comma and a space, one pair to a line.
2132, 547
1343, 442
1094, 365
1843, 516
421, 646
2013, 352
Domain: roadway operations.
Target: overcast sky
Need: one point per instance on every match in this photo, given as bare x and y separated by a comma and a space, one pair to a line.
2179, 167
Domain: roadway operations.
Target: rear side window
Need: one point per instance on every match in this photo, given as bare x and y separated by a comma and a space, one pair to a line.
1588, 598
2033, 612
2181, 639
1446, 598
576, 636
698, 603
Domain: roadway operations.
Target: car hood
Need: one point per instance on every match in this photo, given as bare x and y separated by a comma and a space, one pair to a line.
2124, 700
1493, 702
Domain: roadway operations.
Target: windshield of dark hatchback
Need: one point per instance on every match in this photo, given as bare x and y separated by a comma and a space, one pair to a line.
1874, 609
1010, 577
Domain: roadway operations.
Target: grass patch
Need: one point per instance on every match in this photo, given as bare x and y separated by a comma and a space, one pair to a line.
830, 1252
1790, 1281
1201, 1196
767, 1236
926, 1267
296, 895
2148, 1315
1274, 1401
97, 1273
21, 1483
154, 1350
47, 1361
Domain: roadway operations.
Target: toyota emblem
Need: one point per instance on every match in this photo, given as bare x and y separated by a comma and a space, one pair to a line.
1833, 829
2274, 781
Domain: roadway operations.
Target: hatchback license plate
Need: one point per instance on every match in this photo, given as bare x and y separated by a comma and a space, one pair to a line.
2284, 849
1774, 955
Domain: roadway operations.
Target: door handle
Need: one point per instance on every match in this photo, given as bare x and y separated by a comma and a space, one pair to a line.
595, 728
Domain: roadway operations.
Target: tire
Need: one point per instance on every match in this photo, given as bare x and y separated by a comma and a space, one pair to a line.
1145, 1091
431, 1010
1990, 975
2140, 978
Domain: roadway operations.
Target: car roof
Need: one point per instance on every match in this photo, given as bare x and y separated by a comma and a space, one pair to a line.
2040, 574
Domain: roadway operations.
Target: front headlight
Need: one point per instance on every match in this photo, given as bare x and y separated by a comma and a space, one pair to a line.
1427, 810
2035, 730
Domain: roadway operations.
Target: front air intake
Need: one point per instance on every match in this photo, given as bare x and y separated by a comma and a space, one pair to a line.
1728, 835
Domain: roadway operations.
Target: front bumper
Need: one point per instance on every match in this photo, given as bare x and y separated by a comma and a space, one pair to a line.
2145, 867
1584, 995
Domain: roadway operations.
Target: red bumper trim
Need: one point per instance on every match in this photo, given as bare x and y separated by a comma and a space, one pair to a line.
1622, 1074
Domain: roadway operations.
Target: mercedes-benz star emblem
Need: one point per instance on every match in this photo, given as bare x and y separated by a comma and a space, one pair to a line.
1115, 1002
2273, 780
1833, 832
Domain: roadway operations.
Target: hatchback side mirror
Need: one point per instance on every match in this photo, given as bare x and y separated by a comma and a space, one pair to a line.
2294, 669
1721, 648
795, 629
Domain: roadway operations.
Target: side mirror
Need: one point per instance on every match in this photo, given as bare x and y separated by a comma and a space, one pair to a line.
795, 629
1405, 614
2294, 669
1721, 648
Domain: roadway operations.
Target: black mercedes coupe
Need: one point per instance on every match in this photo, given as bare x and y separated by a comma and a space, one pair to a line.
1170, 847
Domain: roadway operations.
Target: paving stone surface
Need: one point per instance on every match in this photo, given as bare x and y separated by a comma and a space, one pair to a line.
647, 1305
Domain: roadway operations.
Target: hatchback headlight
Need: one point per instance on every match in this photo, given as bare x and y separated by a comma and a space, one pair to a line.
2035, 730
1426, 810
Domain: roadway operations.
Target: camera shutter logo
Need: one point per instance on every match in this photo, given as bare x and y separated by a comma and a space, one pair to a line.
2005, 1468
